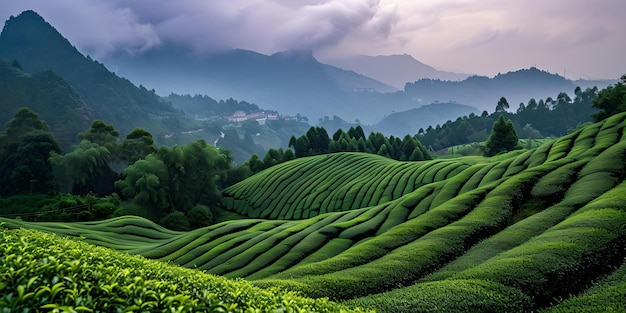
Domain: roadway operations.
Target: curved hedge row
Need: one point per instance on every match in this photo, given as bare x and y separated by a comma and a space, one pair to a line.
307, 187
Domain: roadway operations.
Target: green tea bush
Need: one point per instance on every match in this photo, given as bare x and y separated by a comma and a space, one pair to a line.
43, 272
607, 295
562, 260
449, 296
555, 183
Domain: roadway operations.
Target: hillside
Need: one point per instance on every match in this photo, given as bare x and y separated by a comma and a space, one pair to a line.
37, 46
394, 70
50, 96
291, 82
411, 121
517, 232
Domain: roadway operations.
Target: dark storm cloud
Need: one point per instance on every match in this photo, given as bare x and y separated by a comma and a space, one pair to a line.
101, 27
478, 36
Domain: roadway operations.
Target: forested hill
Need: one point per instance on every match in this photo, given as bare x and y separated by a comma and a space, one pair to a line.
483, 92
37, 46
56, 102
432, 114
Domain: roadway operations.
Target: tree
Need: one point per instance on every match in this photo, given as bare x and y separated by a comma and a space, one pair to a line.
25, 145
503, 137
85, 169
255, 164
146, 181
103, 134
502, 105
176, 178
610, 100
200, 216
138, 145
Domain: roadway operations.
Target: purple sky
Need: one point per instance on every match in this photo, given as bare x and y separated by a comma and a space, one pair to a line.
578, 38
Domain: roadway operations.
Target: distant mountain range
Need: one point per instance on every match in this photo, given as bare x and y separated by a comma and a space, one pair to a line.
291, 82
395, 70
484, 92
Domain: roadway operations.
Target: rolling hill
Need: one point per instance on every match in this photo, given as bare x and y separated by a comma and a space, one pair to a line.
530, 230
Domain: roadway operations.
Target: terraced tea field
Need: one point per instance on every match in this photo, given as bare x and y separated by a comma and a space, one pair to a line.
518, 232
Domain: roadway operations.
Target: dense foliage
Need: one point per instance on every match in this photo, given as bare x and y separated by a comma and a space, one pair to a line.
25, 144
46, 93
46, 273
175, 180
611, 100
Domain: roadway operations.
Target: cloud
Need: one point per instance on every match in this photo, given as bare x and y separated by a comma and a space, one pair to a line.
102, 27
484, 37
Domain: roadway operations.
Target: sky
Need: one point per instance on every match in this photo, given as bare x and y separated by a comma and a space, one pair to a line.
574, 38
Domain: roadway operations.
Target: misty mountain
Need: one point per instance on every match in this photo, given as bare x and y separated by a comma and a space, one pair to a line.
291, 82
395, 70
409, 122
484, 92
37, 46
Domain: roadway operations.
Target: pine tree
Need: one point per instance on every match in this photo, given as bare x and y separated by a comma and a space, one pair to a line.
503, 137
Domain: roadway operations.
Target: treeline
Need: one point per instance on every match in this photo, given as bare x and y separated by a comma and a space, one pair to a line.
316, 141
552, 117
173, 185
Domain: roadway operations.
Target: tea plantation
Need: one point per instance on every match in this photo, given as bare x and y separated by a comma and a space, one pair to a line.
532, 230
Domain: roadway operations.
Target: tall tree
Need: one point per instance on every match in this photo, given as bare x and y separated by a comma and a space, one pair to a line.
138, 145
85, 169
502, 105
176, 178
25, 145
503, 137
103, 134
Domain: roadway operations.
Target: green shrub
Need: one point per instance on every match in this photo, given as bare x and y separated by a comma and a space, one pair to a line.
199, 216
449, 296
176, 221
45, 272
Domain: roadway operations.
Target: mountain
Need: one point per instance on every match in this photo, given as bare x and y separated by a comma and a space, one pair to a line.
37, 46
484, 92
291, 82
395, 70
55, 101
409, 122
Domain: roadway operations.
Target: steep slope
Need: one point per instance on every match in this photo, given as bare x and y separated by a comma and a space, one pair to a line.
37, 46
54, 100
517, 232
